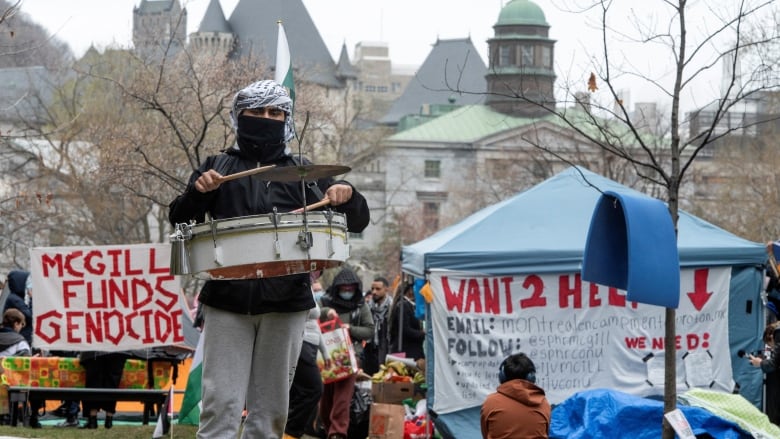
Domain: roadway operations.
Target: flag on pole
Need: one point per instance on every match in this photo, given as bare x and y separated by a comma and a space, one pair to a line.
166, 413
190, 406
284, 71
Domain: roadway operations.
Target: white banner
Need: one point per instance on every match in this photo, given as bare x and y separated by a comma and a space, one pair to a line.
579, 335
106, 298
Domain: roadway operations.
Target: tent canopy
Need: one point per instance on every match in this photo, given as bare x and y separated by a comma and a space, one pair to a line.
544, 230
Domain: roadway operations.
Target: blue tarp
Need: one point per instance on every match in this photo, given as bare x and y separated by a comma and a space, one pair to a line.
607, 413
544, 230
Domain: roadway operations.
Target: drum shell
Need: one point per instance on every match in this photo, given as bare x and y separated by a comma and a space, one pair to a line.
265, 245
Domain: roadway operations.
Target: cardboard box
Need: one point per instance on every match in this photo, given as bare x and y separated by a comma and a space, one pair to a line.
391, 393
387, 421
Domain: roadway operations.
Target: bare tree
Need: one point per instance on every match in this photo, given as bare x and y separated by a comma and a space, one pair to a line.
665, 158
55, 156
403, 228
8, 10
127, 133
180, 117
337, 130
27, 199
744, 202
25, 43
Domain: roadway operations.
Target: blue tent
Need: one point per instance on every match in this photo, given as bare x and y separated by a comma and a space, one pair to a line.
607, 413
544, 230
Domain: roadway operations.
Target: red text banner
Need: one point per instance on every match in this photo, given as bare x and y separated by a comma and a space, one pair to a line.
107, 298
579, 335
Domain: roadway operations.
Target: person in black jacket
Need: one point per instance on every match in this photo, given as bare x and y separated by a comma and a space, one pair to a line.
253, 329
18, 284
344, 300
20, 287
769, 363
103, 370
380, 303
405, 329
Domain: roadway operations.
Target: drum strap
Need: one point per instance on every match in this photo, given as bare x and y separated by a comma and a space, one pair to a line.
312, 185
221, 163
316, 189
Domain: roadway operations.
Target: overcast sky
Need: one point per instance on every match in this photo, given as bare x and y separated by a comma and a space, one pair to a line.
410, 27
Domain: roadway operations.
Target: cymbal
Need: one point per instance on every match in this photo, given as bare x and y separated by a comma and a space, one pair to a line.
303, 172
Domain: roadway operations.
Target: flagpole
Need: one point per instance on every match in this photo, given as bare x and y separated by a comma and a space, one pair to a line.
283, 73
190, 409
169, 409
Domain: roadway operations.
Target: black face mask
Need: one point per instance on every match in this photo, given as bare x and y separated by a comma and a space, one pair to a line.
260, 138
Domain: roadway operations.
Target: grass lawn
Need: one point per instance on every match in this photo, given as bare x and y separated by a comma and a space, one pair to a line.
119, 431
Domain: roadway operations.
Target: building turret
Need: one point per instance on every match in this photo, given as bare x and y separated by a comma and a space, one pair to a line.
159, 28
344, 69
521, 61
214, 36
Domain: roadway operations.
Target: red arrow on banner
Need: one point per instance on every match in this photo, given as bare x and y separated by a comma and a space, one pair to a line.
699, 296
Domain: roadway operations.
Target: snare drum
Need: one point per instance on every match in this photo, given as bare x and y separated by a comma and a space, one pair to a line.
260, 246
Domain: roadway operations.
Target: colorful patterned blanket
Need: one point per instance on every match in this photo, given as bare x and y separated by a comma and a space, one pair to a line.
67, 372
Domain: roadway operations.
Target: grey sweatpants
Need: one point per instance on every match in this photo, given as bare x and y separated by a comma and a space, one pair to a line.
248, 358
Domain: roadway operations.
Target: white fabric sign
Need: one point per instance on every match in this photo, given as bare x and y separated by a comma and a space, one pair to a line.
579, 335
107, 298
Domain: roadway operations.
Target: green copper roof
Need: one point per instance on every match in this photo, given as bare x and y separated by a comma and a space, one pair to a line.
472, 123
521, 12
464, 125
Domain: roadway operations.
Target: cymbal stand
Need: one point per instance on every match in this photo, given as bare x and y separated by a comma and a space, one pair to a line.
305, 239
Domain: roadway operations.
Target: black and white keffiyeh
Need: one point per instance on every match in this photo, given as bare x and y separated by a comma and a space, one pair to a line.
265, 93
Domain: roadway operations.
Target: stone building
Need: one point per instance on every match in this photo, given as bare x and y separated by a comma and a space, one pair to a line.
159, 28
457, 150
453, 146
214, 37
521, 61
250, 33
457, 145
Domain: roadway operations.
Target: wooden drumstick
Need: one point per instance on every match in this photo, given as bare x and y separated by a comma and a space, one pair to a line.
246, 173
324, 202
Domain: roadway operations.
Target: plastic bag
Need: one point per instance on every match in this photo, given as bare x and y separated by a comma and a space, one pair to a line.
360, 407
340, 351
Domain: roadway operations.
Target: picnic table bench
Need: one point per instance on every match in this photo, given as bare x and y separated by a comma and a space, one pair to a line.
152, 399
58, 378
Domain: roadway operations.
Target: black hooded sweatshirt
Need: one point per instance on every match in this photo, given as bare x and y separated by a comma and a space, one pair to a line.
16, 283
254, 196
354, 312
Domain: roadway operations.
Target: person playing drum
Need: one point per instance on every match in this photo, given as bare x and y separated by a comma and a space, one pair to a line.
253, 328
